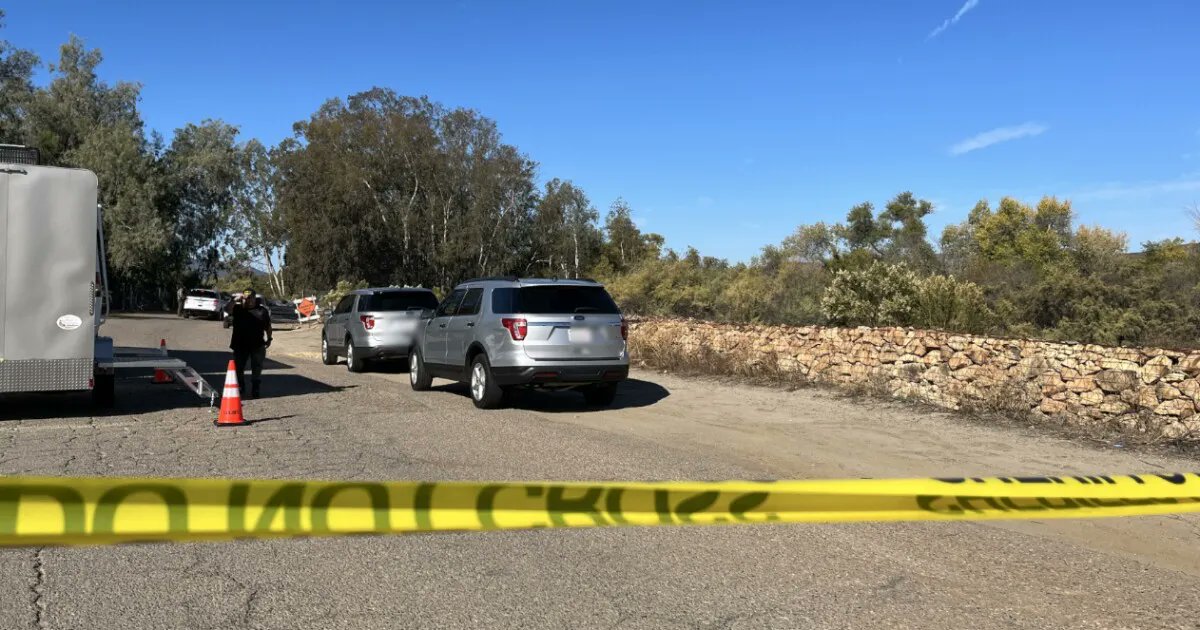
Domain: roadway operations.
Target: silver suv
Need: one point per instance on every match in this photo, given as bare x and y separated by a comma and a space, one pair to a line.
374, 325
500, 333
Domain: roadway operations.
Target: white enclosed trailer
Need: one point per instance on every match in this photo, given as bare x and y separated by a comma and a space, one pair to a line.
53, 282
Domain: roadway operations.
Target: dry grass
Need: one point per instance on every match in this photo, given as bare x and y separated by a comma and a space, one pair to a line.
1011, 405
1144, 429
764, 368
1009, 399
876, 385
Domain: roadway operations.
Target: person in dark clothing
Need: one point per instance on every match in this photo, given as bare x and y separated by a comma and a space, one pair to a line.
251, 323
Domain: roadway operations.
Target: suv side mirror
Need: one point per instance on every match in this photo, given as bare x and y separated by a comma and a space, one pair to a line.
427, 313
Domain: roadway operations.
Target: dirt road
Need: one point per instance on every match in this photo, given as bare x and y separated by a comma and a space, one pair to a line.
321, 422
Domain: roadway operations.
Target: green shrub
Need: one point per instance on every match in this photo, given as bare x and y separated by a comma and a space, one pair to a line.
750, 296
340, 291
240, 282
879, 295
946, 303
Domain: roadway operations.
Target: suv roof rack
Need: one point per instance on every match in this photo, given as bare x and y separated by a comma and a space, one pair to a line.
492, 278
518, 279
560, 279
374, 290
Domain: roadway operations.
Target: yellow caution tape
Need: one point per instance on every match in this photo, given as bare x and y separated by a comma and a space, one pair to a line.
60, 510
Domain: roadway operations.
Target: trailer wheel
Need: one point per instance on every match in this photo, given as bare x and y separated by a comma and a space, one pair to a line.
104, 392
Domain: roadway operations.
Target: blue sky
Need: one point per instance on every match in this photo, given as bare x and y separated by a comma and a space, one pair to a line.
725, 125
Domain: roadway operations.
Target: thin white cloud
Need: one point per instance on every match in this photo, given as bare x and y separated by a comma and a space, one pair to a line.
1118, 190
998, 135
967, 6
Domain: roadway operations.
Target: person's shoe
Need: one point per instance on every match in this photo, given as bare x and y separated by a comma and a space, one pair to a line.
254, 392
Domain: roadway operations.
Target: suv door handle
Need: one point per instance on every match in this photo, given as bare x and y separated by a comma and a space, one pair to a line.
470, 324
441, 325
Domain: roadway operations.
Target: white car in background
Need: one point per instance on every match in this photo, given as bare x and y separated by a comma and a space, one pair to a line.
205, 303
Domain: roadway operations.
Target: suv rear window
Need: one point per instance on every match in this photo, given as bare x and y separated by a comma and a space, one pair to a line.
397, 301
202, 293
539, 300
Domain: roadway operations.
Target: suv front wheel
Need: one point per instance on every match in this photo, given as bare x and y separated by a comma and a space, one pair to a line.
484, 391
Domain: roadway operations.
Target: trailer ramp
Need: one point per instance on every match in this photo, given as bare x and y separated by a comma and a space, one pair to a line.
128, 358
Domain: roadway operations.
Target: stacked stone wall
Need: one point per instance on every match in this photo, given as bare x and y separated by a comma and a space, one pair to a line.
1083, 382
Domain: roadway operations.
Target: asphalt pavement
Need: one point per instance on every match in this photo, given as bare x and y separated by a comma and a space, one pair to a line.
322, 422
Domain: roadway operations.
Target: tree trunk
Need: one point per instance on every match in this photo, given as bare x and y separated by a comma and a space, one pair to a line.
275, 276
412, 199
575, 240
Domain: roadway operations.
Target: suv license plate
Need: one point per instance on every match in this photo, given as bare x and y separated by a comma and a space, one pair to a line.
582, 335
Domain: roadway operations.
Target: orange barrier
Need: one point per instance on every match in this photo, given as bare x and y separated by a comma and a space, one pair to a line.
161, 377
231, 402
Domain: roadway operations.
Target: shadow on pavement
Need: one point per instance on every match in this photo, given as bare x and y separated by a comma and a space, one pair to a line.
136, 394
261, 420
631, 393
398, 366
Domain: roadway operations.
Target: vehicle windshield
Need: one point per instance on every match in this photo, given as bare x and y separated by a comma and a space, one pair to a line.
536, 300
398, 301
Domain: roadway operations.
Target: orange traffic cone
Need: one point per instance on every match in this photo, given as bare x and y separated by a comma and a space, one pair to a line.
231, 402
161, 377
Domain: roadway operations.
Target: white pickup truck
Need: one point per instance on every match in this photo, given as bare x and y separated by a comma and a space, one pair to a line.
204, 303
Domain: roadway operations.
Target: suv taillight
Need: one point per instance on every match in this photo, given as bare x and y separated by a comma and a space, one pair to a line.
624, 329
518, 328
368, 321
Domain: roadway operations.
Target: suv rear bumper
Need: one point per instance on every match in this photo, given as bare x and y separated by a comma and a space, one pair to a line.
561, 375
384, 352
382, 346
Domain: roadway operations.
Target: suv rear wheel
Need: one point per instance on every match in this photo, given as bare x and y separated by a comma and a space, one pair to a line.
418, 376
327, 355
484, 391
354, 363
600, 395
